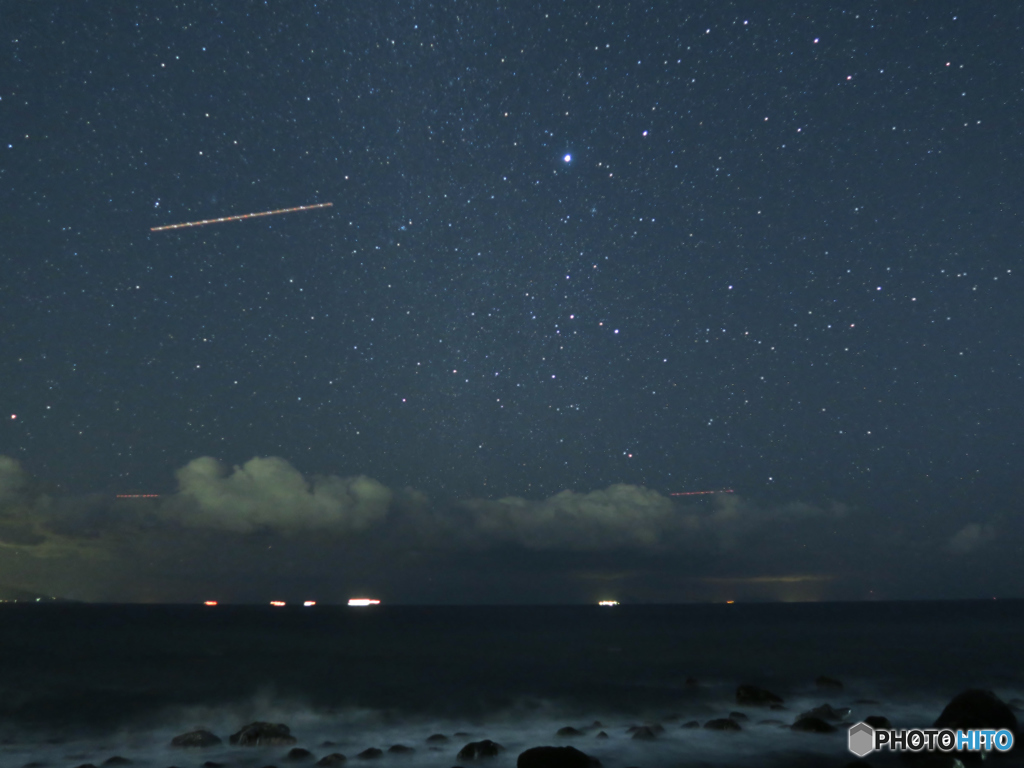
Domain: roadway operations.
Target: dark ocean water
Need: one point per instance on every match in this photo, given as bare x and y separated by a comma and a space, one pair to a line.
81, 683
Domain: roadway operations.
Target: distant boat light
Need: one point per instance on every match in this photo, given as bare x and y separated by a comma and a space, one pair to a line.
308, 603
277, 603
729, 602
210, 602
608, 603
360, 601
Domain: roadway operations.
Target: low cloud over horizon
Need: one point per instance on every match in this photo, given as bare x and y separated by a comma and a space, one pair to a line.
242, 532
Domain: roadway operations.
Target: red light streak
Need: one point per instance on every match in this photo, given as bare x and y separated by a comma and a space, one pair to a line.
702, 493
239, 218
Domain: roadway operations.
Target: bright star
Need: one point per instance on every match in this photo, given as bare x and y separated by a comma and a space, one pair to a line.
567, 158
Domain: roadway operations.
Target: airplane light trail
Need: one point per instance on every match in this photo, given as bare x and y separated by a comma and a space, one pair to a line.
239, 218
702, 493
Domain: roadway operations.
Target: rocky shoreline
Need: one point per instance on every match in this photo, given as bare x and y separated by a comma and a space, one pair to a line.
261, 744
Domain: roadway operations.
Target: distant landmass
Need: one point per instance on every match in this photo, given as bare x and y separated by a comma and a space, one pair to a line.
16, 595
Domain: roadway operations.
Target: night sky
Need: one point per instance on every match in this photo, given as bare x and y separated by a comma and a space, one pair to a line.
580, 257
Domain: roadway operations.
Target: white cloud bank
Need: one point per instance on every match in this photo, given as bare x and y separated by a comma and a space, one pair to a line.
618, 516
271, 493
624, 517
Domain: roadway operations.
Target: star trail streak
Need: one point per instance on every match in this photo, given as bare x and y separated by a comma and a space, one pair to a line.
701, 493
239, 218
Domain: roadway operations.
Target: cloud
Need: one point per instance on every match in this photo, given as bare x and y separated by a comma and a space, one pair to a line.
15, 482
623, 517
616, 517
970, 538
259, 529
19, 519
269, 493
36, 523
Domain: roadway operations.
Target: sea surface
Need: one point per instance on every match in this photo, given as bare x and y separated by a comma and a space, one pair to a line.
80, 684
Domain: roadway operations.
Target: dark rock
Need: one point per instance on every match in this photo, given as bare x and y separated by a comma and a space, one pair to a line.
34, 764
335, 758
752, 696
569, 731
858, 764
86, 765
437, 738
977, 709
601, 735
691, 724
825, 712
643, 733
739, 717
556, 757
812, 725
372, 753
400, 749
261, 734
212, 764
722, 724
878, 721
478, 749
296, 754
938, 760
117, 760
829, 683
197, 738
655, 728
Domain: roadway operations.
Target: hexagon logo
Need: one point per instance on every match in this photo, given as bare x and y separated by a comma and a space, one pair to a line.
862, 739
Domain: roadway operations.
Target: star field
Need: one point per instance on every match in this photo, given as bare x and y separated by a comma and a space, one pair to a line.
571, 244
